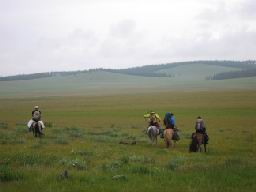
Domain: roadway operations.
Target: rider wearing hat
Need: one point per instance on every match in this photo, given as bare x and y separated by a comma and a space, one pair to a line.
36, 117
153, 119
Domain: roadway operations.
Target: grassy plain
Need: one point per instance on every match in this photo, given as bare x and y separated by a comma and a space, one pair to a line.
84, 133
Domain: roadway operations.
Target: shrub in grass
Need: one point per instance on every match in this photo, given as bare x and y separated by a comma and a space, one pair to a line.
79, 164
120, 177
75, 163
125, 159
8, 174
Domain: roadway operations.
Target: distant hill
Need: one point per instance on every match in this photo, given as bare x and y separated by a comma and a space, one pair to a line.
184, 76
245, 69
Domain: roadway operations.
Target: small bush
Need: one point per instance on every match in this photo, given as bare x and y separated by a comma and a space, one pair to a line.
75, 163
125, 160
120, 177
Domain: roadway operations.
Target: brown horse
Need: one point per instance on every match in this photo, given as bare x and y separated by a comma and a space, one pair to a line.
197, 141
168, 134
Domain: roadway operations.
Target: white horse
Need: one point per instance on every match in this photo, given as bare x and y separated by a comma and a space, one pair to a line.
152, 132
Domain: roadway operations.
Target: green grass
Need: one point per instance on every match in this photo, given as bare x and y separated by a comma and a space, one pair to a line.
84, 133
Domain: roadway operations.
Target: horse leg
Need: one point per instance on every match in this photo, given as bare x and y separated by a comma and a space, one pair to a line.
40, 130
200, 147
204, 147
167, 144
37, 129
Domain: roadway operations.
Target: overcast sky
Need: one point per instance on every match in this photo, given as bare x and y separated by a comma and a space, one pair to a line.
62, 35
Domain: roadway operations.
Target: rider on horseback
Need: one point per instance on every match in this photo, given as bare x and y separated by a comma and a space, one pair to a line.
153, 119
169, 121
36, 118
200, 128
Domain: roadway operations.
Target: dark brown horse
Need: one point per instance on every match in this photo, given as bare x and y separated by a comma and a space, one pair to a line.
197, 142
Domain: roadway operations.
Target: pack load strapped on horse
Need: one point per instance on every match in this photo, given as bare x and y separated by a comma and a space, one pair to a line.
199, 137
36, 124
154, 125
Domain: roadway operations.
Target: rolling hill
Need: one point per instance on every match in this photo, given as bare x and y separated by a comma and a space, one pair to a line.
184, 76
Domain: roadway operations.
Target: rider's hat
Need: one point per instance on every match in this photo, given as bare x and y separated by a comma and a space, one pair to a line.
36, 107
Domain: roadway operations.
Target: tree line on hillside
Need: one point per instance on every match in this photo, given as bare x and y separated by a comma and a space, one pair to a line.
152, 70
39, 75
233, 74
247, 68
